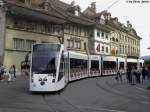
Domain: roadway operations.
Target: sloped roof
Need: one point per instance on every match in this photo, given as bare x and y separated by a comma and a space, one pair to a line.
58, 10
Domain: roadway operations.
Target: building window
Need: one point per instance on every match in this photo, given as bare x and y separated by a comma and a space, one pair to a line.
102, 48
18, 43
78, 44
22, 44
106, 49
113, 39
84, 45
70, 43
102, 34
116, 40
29, 44
98, 34
119, 48
107, 36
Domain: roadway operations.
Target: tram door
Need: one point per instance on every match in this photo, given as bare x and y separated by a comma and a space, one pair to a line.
66, 68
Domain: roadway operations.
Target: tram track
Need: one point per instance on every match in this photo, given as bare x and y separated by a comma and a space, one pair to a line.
50, 107
68, 103
116, 92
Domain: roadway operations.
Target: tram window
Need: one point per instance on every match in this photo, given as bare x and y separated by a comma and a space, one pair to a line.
94, 65
109, 64
44, 58
78, 63
131, 65
121, 65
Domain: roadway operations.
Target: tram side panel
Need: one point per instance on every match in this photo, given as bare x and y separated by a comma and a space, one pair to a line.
94, 65
122, 65
109, 65
78, 66
132, 63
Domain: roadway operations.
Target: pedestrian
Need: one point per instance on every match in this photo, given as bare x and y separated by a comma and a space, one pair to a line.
148, 77
11, 73
119, 75
138, 76
133, 75
148, 72
129, 75
1, 72
144, 73
14, 71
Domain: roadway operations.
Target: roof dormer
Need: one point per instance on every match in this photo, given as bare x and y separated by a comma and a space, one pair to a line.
77, 10
46, 5
74, 9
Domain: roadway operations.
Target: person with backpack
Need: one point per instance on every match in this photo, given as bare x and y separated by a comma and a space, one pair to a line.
119, 75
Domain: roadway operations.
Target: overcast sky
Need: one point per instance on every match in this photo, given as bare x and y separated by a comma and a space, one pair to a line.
137, 13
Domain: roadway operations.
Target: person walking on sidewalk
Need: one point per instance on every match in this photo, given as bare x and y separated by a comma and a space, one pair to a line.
133, 75
148, 77
138, 76
1, 72
11, 73
119, 75
144, 73
129, 80
14, 71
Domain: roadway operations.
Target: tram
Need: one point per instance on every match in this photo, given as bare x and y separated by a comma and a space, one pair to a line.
46, 71
52, 67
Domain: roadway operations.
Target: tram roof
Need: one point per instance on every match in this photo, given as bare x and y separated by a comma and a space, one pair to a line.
77, 55
131, 60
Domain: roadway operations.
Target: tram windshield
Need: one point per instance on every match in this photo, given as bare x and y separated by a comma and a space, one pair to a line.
44, 58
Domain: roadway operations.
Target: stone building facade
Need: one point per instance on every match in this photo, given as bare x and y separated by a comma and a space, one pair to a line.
100, 40
25, 22
124, 41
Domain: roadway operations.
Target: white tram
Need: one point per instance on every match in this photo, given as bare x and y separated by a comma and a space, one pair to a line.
47, 72
52, 67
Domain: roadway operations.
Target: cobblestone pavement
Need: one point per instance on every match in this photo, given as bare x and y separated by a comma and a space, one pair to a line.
100, 94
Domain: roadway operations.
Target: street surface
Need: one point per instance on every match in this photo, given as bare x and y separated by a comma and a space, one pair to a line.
100, 94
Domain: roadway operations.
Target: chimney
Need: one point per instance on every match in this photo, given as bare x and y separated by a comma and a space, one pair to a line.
93, 6
72, 4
